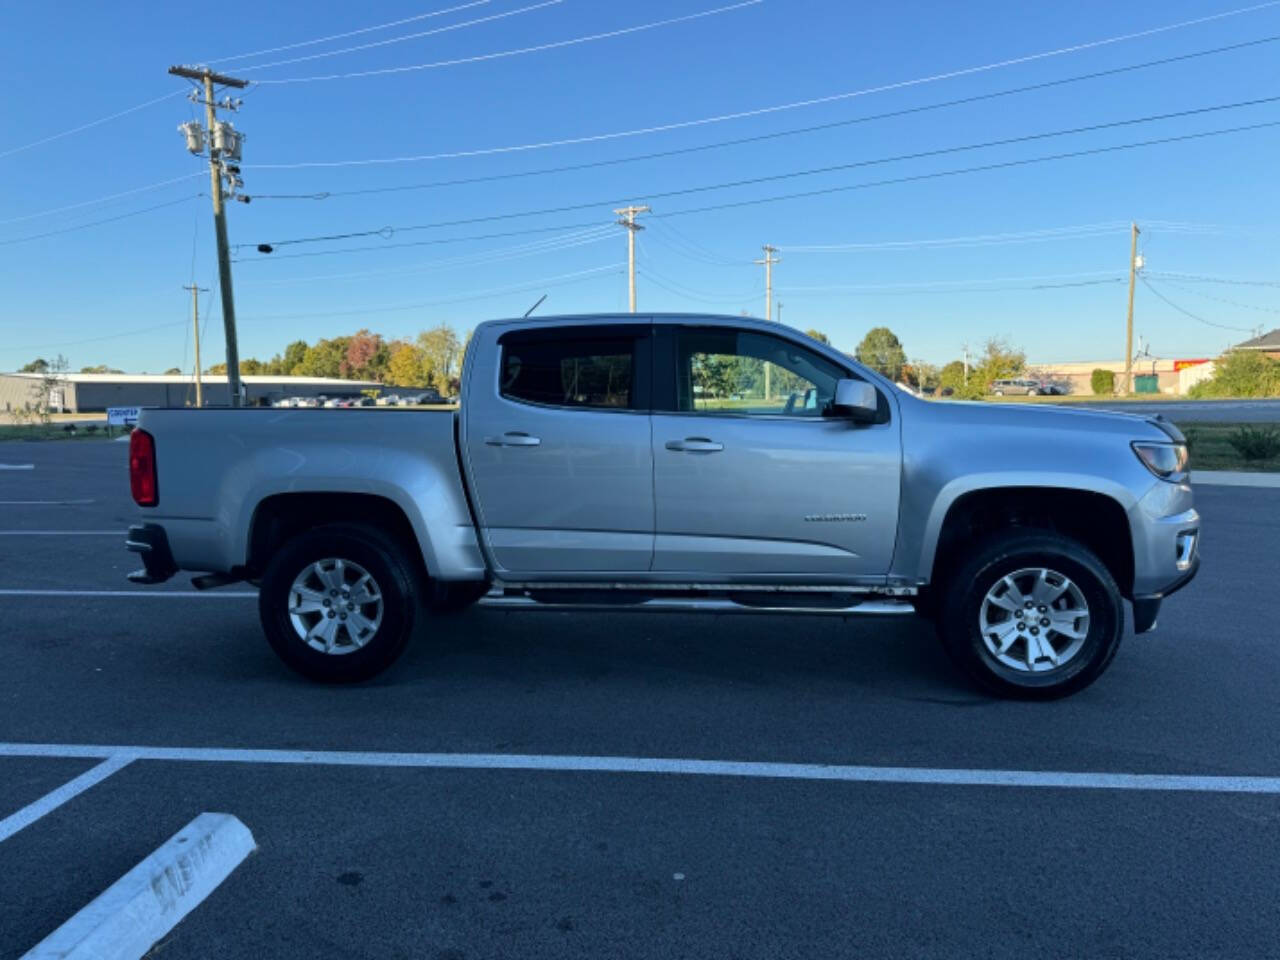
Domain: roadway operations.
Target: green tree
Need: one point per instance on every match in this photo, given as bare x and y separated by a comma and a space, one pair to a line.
38, 365
324, 359
100, 368
819, 336
1241, 373
440, 351
999, 361
1103, 382
294, 354
218, 369
882, 351
173, 372
252, 367
951, 377
404, 369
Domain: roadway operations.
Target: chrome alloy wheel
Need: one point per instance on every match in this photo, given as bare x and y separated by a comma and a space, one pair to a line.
335, 606
1034, 620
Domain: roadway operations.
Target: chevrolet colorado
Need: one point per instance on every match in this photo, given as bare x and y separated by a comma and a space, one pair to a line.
677, 463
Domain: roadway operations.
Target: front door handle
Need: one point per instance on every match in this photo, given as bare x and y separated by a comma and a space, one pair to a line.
515, 438
695, 445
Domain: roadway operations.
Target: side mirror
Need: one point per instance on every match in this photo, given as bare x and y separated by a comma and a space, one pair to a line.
857, 400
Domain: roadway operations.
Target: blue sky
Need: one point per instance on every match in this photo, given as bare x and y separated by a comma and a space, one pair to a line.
1049, 281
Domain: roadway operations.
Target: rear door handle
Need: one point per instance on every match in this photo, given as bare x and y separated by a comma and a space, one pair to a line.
513, 439
695, 445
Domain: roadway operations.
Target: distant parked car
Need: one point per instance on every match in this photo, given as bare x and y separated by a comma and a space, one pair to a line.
420, 399
388, 400
363, 402
1028, 388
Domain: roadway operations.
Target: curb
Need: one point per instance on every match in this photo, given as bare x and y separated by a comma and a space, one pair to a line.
133, 913
1235, 478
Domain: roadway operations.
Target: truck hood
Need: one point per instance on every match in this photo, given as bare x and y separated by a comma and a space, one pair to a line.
980, 414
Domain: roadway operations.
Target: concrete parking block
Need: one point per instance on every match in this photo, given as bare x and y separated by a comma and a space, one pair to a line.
152, 898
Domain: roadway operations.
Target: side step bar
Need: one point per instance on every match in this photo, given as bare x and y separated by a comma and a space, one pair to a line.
686, 604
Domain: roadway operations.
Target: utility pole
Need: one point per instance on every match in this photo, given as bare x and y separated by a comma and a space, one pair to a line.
628, 215
779, 311
195, 322
768, 262
224, 145
966, 364
1128, 334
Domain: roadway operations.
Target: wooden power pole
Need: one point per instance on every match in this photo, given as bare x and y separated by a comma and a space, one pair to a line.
195, 323
768, 262
628, 215
218, 144
1128, 334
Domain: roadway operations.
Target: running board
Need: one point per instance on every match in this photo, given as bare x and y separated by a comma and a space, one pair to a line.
686, 604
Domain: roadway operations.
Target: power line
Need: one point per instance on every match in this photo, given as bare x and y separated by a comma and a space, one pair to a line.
110, 336
88, 126
351, 33
560, 280
825, 191
1221, 326
97, 223
814, 101
534, 49
415, 243
1234, 303
1201, 278
500, 255
401, 39
111, 196
389, 230
680, 151
934, 284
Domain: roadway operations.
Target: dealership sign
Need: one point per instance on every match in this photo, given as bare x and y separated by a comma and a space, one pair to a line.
122, 416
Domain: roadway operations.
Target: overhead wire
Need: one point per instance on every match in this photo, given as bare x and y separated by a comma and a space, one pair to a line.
1202, 278
555, 45
561, 280
379, 247
1234, 303
542, 4
352, 33
388, 231
97, 223
90, 125
798, 104
105, 199
500, 255
1185, 312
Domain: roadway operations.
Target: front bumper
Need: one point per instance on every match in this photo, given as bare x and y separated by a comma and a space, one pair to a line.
149, 540
1146, 608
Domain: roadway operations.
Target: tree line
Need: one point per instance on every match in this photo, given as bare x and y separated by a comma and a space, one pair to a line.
432, 359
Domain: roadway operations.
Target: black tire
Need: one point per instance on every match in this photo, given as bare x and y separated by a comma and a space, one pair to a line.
384, 559
962, 597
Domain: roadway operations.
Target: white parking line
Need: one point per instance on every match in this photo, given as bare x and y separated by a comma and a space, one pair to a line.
63, 533
32, 812
931, 776
17, 466
45, 503
143, 594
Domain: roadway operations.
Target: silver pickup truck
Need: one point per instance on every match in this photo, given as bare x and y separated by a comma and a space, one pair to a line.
676, 463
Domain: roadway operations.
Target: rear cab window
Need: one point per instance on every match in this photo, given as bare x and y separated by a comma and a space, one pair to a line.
587, 368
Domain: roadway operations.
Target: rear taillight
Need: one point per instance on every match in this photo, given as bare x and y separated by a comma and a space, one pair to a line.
142, 469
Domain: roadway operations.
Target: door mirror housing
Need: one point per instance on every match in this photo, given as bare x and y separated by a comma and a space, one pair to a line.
855, 400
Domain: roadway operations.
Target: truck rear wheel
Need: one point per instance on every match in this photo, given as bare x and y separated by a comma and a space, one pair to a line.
1031, 615
336, 602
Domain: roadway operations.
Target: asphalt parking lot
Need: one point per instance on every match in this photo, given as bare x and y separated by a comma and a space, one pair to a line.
391, 856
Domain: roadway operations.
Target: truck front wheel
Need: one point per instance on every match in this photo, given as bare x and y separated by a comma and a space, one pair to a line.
1032, 615
336, 602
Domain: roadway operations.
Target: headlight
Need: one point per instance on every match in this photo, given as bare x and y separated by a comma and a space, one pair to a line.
1168, 461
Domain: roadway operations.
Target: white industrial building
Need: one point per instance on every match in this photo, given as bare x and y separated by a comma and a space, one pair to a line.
94, 392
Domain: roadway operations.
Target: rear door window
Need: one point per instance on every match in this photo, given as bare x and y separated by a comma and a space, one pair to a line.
584, 367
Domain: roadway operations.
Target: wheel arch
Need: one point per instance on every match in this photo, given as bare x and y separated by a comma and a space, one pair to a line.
281, 516
1096, 517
